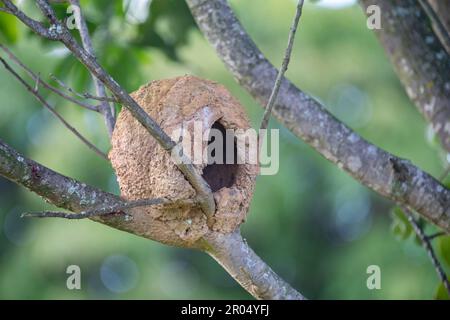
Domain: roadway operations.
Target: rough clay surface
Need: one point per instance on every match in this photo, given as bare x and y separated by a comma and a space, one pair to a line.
145, 170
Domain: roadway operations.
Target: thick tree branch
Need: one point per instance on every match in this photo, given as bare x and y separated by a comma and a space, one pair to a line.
59, 32
65, 192
204, 193
55, 188
72, 195
231, 251
254, 275
419, 59
395, 178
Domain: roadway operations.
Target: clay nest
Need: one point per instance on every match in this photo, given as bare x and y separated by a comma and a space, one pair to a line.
145, 170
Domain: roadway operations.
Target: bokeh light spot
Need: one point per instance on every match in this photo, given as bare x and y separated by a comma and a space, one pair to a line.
119, 273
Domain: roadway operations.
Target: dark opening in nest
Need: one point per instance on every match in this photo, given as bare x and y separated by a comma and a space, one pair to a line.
221, 175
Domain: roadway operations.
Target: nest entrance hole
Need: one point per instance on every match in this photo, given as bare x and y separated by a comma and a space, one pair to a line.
221, 175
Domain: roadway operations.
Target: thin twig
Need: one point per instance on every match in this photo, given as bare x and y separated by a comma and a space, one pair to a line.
84, 95
5, 10
36, 85
230, 250
36, 26
284, 66
429, 248
184, 164
436, 235
102, 211
107, 110
301, 114
37, 79
52, 110
426, 240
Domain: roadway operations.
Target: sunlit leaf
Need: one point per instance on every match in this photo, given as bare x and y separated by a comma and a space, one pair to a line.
401, 227
441, 293
444, 248
8, 28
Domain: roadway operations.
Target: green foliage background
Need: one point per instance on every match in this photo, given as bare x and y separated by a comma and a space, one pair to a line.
311, 222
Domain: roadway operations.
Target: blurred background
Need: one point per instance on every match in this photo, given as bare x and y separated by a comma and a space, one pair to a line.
313, 224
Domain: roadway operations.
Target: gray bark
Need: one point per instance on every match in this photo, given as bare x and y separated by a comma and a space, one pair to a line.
231, 251
419, 59
390, 176
234, 255
442, 11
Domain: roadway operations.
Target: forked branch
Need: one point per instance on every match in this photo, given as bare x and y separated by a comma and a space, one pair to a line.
67, 193
426, 243
40, 82
59, 32
229, 250
36, 94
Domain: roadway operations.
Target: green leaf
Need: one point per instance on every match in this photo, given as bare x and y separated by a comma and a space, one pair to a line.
444, 248
401, 227
447, 183
166, 28
441, 293
8, 28
417, 240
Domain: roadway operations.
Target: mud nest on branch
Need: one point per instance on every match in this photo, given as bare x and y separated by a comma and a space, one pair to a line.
145, 170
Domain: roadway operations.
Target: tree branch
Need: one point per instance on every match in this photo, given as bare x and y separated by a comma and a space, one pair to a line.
437, 24
436, 235
85, 95
55, 188
106, 110
428, 248
5, 10
231, 251
116, 208
53, 111
52, 33
284, 66
61, 33
390, 176
441, 19
419, 59
254, 275
204, 193
39, 81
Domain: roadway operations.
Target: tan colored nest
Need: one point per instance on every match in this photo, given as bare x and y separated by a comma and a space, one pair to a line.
145, 170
